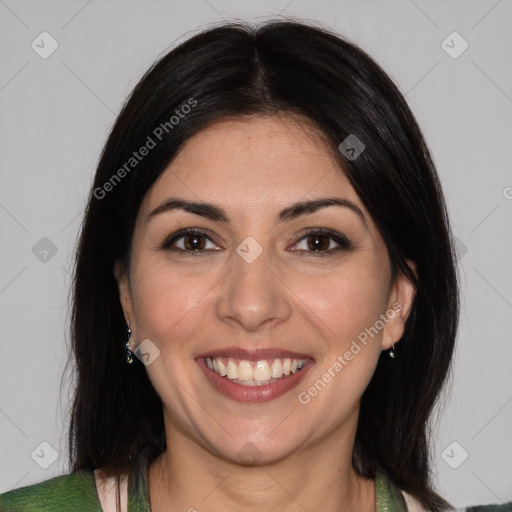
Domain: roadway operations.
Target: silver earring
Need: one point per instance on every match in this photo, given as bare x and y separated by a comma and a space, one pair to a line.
392, 353
129, 353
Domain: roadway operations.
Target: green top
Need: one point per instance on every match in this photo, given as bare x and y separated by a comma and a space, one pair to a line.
77, 492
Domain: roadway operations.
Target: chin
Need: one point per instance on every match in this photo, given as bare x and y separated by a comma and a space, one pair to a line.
251, 452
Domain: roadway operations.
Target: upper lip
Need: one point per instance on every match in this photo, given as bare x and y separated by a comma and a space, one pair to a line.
254, 354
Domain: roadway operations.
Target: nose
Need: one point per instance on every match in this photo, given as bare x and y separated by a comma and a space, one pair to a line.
253, 294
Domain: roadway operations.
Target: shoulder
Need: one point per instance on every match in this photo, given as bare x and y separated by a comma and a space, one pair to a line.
412, 504
504, 507
75, 491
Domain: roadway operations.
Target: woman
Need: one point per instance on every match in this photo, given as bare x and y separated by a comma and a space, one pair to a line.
265, 294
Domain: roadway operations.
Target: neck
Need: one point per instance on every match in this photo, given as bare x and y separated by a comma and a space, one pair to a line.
189, 477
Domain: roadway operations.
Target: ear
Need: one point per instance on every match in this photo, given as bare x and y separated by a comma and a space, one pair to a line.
123, 283
400, 303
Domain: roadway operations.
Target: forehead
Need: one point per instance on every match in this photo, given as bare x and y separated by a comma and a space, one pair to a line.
255, 163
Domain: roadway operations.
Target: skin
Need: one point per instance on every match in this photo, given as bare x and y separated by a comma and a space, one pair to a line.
189, 304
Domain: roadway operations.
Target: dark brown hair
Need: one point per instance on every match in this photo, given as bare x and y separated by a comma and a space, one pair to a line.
280, 67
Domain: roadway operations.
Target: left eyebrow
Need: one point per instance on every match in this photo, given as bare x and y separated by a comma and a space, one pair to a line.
218, 214
313, 205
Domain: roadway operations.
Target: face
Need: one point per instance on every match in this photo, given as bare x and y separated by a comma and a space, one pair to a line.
258, 281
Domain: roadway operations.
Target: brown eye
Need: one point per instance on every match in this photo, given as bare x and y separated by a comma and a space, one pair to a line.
188, 241
194, 242
317, 242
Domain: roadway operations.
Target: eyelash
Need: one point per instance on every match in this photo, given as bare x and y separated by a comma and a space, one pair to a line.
341, 240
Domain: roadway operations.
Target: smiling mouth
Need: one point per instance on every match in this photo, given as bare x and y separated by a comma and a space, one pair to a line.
255, 373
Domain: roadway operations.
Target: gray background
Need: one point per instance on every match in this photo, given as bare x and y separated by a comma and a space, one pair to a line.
54, 117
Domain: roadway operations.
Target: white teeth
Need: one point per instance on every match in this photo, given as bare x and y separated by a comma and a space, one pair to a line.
254, 373
262, 371
276, 369
245, 371
232, 370
254, 382
222, 368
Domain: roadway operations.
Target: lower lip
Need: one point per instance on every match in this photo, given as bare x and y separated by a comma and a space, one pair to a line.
263, 393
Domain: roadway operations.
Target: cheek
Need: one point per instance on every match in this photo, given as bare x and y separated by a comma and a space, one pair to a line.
349, 307
166, 303
345, 302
